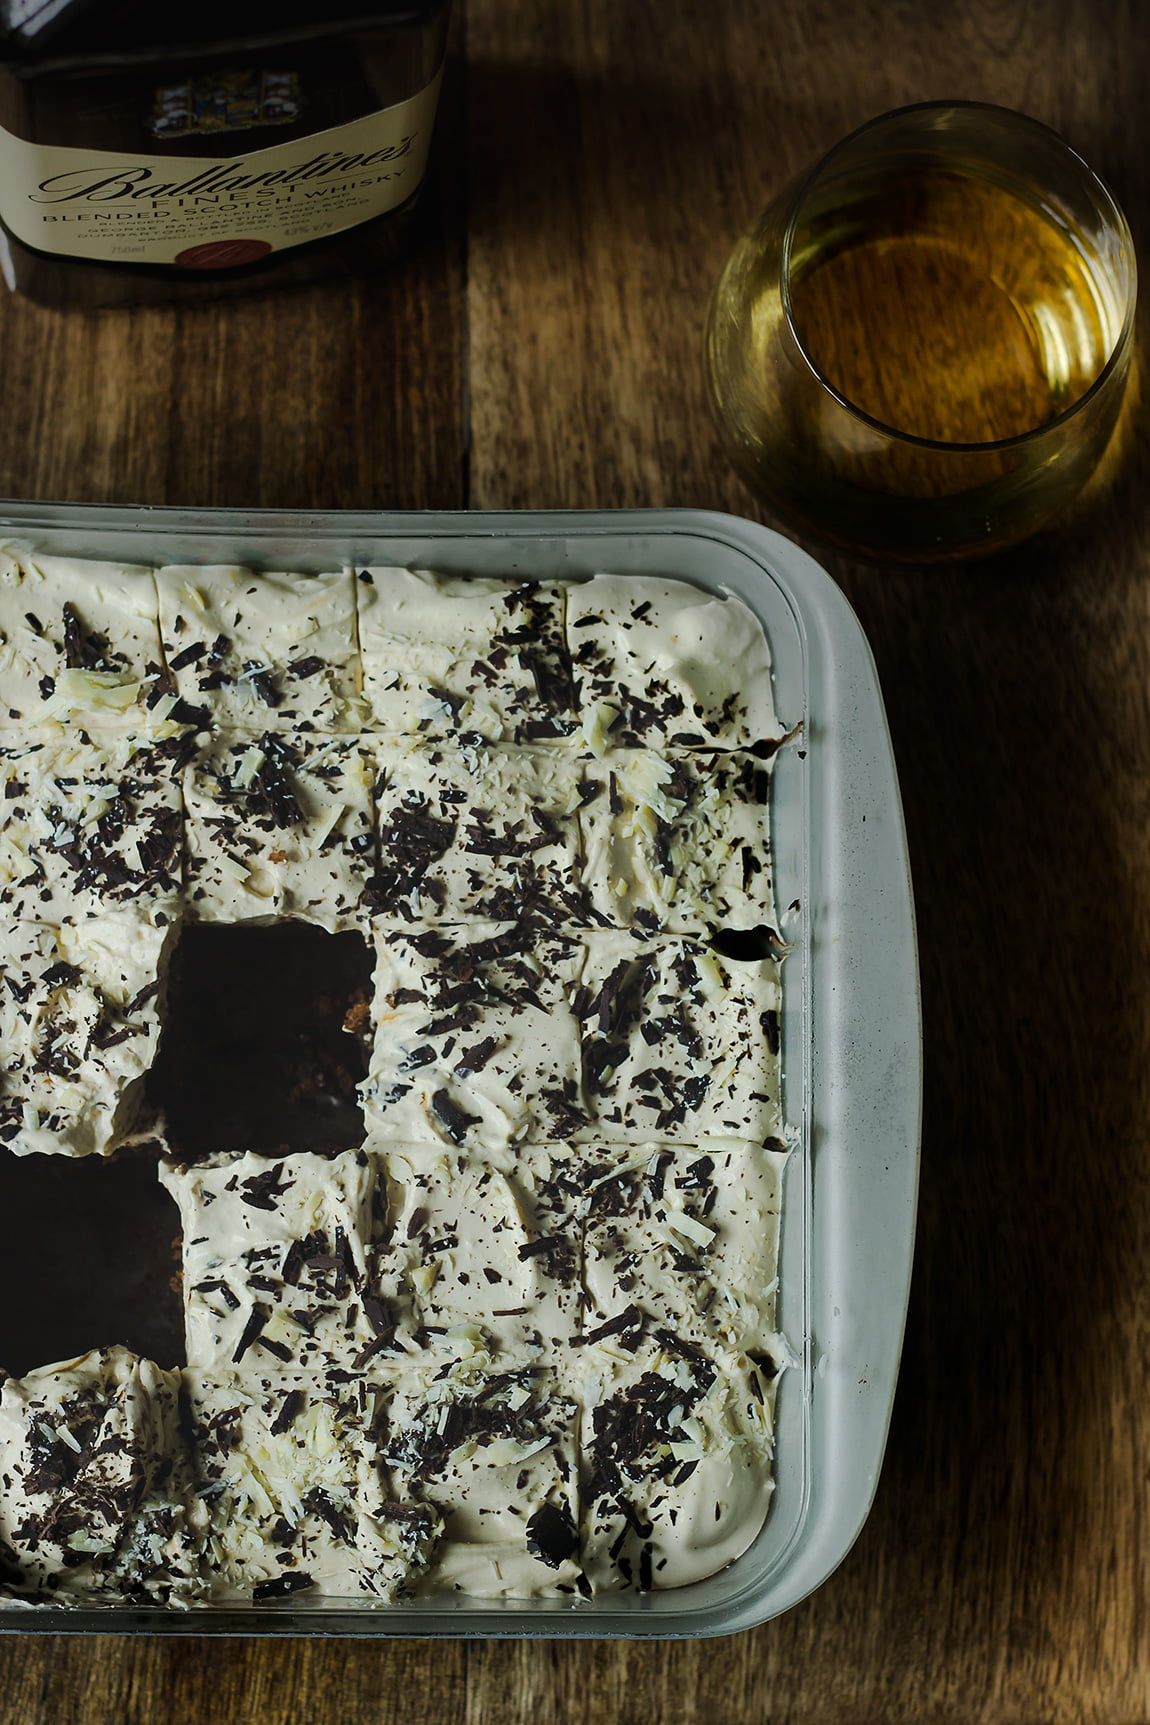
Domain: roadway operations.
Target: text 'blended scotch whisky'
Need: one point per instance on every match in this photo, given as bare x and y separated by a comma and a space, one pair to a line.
194, 151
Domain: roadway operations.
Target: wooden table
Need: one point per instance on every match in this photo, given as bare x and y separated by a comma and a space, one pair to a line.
541, 348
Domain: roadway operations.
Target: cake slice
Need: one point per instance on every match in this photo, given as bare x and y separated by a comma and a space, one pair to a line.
293, 1497
684, 1239
257, 651
276, 1260
491, 1443
88, 827
79, 644
278, 826
95, 1498
474, 1041
444, 655
677, 842
661, 663
675, 1443
79, 1028
480, 1256
471, 831
678, 1043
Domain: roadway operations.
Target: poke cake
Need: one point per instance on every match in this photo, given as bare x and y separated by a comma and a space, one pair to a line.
409, 941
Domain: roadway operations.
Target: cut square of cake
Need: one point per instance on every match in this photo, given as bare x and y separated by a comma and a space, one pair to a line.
278, 826
491, 1442
294, 1498
477, 1255
684, 1239
662, 664
94, 1469
677, 842
674, 1441
79, 1028
474, 1038
79, 644
445, 655
678, 1043
276, 1261
470, 831
255, 652
88, 827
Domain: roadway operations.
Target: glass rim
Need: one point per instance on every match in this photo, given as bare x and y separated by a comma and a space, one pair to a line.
1097, 186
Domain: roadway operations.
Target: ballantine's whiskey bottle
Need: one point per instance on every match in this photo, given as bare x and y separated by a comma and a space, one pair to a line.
191, 151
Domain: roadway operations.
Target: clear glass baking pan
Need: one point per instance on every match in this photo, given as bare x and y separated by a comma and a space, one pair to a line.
851, 1036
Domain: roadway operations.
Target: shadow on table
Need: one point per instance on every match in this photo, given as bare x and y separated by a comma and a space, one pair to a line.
1018, 692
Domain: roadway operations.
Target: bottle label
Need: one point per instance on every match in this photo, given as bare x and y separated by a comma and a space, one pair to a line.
203, 212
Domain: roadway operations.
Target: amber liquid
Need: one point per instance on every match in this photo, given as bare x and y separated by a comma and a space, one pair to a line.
967, 317
888, 383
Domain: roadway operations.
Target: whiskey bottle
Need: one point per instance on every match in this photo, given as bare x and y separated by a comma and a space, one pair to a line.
196, 151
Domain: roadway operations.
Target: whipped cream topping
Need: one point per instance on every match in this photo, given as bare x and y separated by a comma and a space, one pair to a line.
495, 1442
95, 1498
475, 1038
79, 1028
477, 1257
278, 826
677, 1042
683, 1240
673, 842
444, 655
477, 831
521, 1340
675, 1440
261, 652
79, 644
87, 827
661, 664
292, 1494
275, 1260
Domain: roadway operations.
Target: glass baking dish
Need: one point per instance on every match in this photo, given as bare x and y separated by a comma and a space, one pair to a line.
851, 1038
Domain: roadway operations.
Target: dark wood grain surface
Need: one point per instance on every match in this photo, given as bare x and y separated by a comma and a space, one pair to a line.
541, 348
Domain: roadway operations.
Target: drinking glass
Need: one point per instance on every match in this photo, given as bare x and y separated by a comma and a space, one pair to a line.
921, 349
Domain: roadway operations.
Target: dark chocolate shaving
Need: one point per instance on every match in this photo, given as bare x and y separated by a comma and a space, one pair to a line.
475, 1059
533, 1248
306, 667
73, 639
321, 1506
279, 1350
63, 975
216, 1286
280, 1586
627, 1325
452, 1117
289, 1408
263, 1191
260, 680
378, 1317
256, 1321
188, 656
